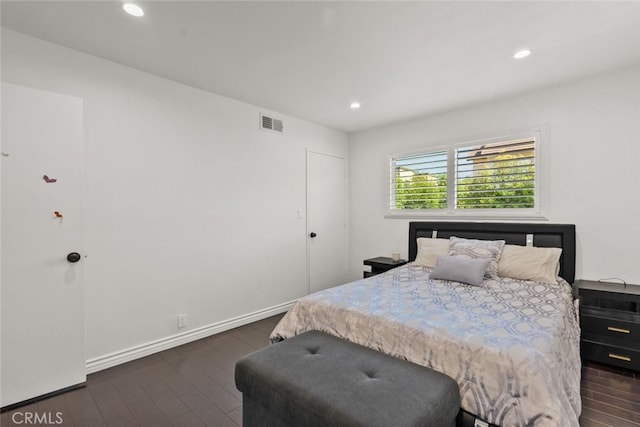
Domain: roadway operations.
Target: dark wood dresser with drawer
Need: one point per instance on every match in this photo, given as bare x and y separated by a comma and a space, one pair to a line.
610, 323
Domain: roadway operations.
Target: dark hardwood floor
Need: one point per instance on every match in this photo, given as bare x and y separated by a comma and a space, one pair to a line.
190, 385
610, 396
193, 385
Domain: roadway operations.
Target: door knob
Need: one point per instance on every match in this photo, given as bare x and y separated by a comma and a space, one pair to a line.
73, 257
312, 235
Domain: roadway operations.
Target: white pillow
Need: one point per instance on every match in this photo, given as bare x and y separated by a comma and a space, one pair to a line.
530, 263
429, 250
474, 249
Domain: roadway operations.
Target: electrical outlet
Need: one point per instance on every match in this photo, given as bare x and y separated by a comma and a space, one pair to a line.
182, 320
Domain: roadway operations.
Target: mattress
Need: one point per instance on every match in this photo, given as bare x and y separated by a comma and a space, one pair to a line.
513, 346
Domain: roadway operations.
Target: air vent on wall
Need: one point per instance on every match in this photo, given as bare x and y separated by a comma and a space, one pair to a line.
269, 123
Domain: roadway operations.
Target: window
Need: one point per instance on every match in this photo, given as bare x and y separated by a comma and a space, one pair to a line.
495, 177
421, 181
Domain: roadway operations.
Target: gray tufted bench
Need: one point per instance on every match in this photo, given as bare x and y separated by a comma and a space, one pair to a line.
317, 380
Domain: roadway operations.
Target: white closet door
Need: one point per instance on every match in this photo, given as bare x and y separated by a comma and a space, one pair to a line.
326, 221
43, 327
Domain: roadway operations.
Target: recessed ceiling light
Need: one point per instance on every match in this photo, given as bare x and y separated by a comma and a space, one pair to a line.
133, 9
522, 54
354, 105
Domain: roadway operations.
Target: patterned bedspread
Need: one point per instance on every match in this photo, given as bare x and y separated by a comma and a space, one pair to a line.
512, 345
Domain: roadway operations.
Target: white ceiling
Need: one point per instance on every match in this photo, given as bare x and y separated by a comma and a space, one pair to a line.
310, 59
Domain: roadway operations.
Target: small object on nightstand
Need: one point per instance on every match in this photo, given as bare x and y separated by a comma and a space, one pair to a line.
610, 323
381, 264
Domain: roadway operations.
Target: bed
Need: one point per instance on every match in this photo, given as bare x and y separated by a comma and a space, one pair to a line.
511, 344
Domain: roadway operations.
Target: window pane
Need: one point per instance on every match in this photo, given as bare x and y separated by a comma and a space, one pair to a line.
420, 181
496, 176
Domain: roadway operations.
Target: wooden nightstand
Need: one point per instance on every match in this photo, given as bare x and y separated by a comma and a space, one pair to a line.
610, 323
381, 264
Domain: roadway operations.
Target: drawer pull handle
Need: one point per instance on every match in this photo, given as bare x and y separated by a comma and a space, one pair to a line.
622, 331
615, 356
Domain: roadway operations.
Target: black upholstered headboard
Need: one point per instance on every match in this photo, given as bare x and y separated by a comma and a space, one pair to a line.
544, 235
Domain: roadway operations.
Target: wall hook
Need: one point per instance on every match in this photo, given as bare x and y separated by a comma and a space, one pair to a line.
57, 214
49, 180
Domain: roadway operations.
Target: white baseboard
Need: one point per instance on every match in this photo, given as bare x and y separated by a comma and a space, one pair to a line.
116, 358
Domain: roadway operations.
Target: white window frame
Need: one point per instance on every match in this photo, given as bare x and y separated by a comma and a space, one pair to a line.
538, 212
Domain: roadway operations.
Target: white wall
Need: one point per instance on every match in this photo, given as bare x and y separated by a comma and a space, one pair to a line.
190, 207
594, 129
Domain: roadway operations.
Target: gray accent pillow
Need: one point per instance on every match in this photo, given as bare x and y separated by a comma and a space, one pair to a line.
474, 249
469, 271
